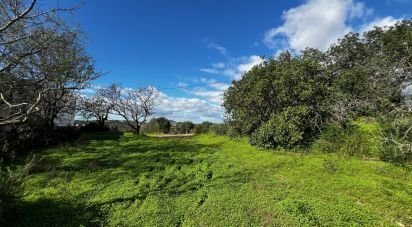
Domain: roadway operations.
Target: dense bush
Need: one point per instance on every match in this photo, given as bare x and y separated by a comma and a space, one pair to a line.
397, 142
287, 129
203, 127
94, 127
27, 137
185, 127
359, 138
157, 125
220, 129
287, 100
11, 184
282, 102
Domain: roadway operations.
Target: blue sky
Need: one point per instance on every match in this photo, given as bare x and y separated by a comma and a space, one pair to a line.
169, 44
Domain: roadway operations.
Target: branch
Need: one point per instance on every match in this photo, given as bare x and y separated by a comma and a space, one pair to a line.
18, 17
20, 116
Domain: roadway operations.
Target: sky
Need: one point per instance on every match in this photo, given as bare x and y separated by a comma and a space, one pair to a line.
190, 51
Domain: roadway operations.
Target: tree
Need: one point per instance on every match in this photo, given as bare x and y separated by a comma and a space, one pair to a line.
184, 127
25, 32
372, 69
97, 107
281, 89
65, 68
203, 127
135, 106
286, 101
160, 124
163, 124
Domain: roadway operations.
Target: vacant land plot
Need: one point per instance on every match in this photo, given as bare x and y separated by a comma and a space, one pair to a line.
206, 180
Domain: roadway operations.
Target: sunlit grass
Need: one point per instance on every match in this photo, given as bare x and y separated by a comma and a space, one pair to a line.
127, 180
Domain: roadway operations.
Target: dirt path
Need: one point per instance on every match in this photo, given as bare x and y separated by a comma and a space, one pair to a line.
173, 135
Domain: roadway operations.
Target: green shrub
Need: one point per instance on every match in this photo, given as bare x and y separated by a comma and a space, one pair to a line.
219, 129
11, 184
202, 128
25, 138
331, 138
286, 129
157, 125
185, 127
357, 138
396, 145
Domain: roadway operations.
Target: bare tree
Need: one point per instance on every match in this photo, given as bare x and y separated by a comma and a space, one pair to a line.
135, 106
25, 31
97, 106
65, 68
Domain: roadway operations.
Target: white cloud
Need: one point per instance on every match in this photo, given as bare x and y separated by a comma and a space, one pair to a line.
380, 22
210, 90
210, 70
218, 65
319, 23
244, 65
235, 68
213, 96
316, 23
205, 108
220, 86
221, 49
183, 109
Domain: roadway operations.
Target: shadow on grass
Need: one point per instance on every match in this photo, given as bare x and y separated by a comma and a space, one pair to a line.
98, 136
141, 155
47, 212
103, 159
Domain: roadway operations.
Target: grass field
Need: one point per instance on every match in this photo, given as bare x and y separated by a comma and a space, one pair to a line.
207, 180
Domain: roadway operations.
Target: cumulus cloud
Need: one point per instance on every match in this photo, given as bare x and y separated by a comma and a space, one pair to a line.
247, 64
316, 23
380, 22
207, 107
235, 68
212, 92
319, 23
181, 109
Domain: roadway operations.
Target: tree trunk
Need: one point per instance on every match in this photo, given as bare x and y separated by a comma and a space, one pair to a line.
137, 130
101, 122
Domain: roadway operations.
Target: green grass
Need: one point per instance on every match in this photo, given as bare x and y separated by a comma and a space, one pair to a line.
207, 180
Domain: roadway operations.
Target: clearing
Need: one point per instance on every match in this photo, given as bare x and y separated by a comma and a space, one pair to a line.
203, 180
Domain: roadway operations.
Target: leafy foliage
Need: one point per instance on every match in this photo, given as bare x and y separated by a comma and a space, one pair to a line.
397, 141
11, 185
286, 101
281, 88
220, 129
360, 138
185, 127
203, 127
286, 129
159, 125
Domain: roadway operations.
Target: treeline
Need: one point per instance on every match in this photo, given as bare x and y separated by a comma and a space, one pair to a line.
166, 126
291, 100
